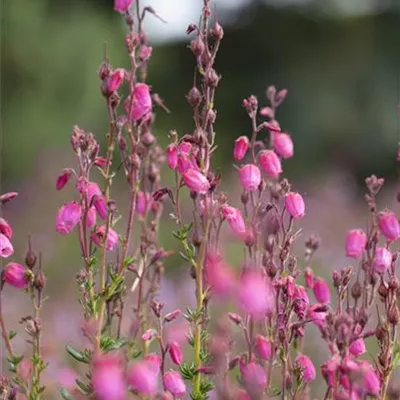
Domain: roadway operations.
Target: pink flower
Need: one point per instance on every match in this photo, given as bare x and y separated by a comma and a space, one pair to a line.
283, 145
317, 316
263, 347
307, 368
357, 347
254, 377
175, 352
219, 275
100, 205
91, 217
6, 248
321, 291
185, 162
356, 241
108, 378
142, 376
5, 228
270, 163
294, 204
6, 197
63, 178
98, 237
256, 294
196, 181
309, 277
115, 80
142, 103
122, 6
68, 217
329, 371
382, 260
149, 334
14, 275
240, 148
174, 384
143, 203
300, 293
172, 156
145, 53
371, 382
153, 360
389, 224
234, 218
250, 177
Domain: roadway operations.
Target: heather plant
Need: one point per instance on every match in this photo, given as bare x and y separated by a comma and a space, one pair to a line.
249, 324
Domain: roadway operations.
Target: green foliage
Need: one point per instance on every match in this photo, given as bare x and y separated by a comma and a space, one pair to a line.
66, 395
188, 371
108, 343
83, 357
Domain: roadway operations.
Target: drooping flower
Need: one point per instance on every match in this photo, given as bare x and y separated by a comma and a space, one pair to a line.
219, 275
294, 204
14, 275
240, 148
250, 177
68, 217
98, 237
357, 347
91, 217
263, 347
270, 163
307, 368
141, 103
172, 156
195, 180
234, 218
175, 352
63, 178
254, 377
153, 360
143, 203
321, 291
382, 260
108, 377
115, 80
389, 224
283, 145
122, 6
6, 248
356, 241
174, 384
142, 376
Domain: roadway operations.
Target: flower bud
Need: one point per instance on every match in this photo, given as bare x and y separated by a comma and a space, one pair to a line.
321, 291
240, 148
356, 290
211, 78
122, 6
394, 315
175, 352
172, 315
389, 224
196, 181
141, 104
357, 347
194, 97
6, 197
68, 217
91, 217
149, 334
356, 241
270, 163
14, 274
172, 156
63, 178
263, 347
283, 145
174, 384
237, 319
382, 260
153, 361
250, 177
217, 31
254, 378
309, 277
143, 378
294, 204
145, 53
234, 218
99, 235
220, 277
198, 46
114, 81
307, 368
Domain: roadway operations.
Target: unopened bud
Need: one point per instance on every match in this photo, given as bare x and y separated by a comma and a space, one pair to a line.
172, 315
40, 280
382, 290
237, 319
212, 78
394, 315
356, 290
194, 97
217, 31
197, 46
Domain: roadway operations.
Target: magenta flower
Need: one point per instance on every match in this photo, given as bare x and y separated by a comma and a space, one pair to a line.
122, 6
185, 162
250, 177
254, 377
68, 217
309, 277
14, 275
196, 181
263, 347
141, 103
143, 203
5, 228
240, 148
371, 382
307, 368
63, 178
356, 241
153, 360
174, 384
382, 260
219, 275
175, 352
256, 294
294, 204
172, 156
270, 163
91, 217
143, 377
283, 145
389, 224
115, 80
108, 378
357, 347
321, 291
98, 237
234, 218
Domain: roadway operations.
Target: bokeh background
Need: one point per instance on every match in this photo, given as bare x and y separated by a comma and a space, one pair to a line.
339, 59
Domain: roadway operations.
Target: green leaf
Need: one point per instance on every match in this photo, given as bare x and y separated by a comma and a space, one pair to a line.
66, 395
396, 356
77, 355
187, 371
11, 335
86, 389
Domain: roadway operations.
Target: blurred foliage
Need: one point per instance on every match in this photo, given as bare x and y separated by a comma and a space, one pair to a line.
342, 76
